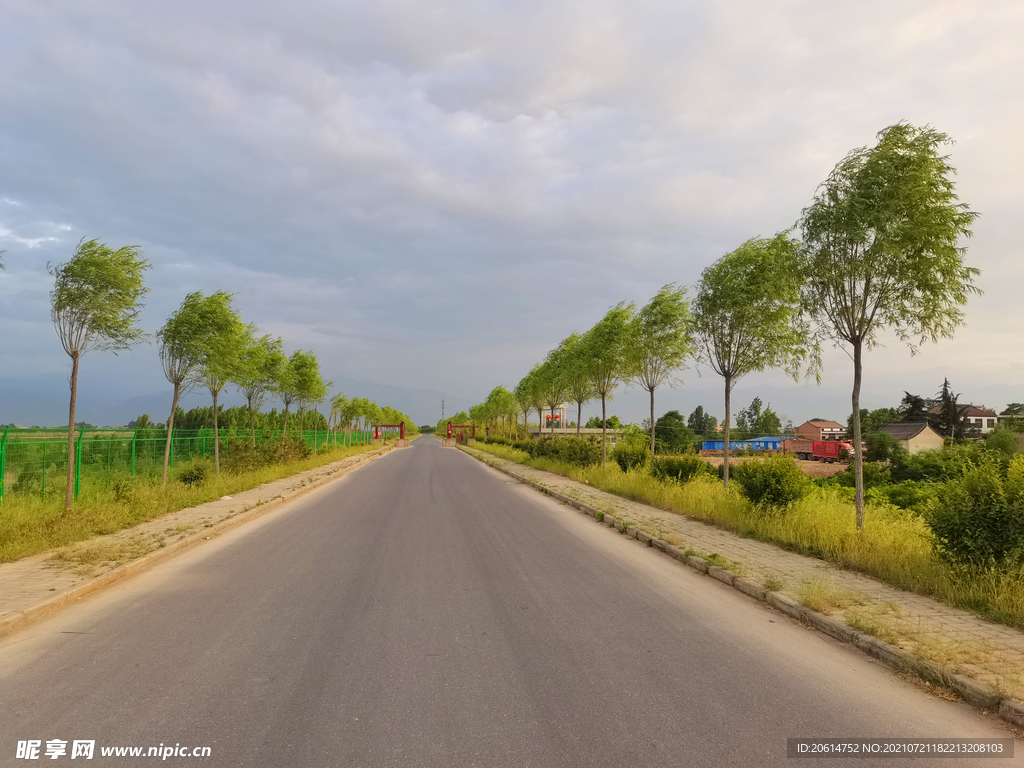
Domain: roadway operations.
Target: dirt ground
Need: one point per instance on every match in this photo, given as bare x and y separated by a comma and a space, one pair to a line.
810, 468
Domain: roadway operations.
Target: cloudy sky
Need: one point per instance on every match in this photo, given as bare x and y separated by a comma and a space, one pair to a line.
431, 195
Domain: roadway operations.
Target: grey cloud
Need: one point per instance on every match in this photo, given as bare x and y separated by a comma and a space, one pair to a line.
422, 177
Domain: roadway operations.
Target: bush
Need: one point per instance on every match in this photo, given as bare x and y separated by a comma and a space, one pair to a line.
875, 475
881, 447
939, 465
775, 482
681, 469
193, 473
910, 494
578, 451
629, 456
979, 518
1002, 441
242, 456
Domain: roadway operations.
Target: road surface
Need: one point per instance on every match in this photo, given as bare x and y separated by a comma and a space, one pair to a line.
428, 611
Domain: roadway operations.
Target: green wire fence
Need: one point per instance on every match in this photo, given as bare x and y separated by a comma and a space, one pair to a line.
35, 461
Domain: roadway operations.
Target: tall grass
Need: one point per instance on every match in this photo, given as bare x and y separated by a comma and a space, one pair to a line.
29, 524
895, 547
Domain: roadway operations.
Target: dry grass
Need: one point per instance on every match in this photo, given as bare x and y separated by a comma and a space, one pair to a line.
824, 596
896, 546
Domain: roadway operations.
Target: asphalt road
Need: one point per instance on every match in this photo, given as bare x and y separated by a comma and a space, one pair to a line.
427, 611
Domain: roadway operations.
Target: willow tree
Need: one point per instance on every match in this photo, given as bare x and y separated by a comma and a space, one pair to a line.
95, 302
661, 341
222, 359
605, 359
881, 251
260, 362
554, 382
308, 385
746, 316
578, 387
529, 394
185, 342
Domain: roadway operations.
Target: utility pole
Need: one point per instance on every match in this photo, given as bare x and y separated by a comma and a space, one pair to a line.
442, 410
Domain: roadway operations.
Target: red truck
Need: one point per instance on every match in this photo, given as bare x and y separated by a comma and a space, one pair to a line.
825, 451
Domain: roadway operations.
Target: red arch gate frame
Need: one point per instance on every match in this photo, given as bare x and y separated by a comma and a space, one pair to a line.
401, 430
460, 426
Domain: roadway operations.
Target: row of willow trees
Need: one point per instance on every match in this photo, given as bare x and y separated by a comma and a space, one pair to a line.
879, 250
95, 305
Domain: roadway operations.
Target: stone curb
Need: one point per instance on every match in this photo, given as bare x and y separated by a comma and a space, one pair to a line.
63, 600
970, 691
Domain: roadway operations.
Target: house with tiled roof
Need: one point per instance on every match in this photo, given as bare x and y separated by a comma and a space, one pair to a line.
914, 436
821, 430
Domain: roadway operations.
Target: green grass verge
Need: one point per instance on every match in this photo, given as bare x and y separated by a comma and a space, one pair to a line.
895, 547
29, 525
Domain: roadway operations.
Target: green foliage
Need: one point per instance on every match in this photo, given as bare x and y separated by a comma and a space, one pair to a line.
775, 482
909, 494
681, 469
758, 421
630, 455
882, 447
881, 249
594, 422
576, 451
97, 296
673, 435
242, 456
701, 422
426, 429
1001, 441
193, 473
978, 519
875, 475
938, 465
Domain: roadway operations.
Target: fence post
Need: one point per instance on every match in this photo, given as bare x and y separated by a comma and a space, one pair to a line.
135, 436
3, 462
109, 445
172, 449
78, 462
44, 470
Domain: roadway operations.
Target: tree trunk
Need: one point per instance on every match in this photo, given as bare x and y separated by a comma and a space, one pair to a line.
725, 452
604, 433
540, 422
69, 492
252, 424
170, 430
579, 416
286, 420
216, 437
858, 458
652, 423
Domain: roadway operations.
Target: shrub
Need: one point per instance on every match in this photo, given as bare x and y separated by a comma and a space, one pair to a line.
681, 469
881, 447
939, 465
775, 482
578, 451
911, 494
979, 518
192, 473
1002, 441
875, 475
629, 456
242, 456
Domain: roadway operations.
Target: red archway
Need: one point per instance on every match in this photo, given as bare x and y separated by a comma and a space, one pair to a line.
400, 426
460, 426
